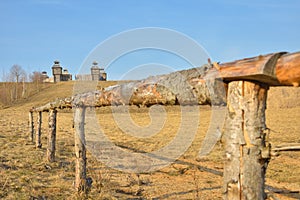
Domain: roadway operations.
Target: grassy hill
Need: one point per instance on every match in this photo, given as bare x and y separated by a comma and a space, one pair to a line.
26, 174
51, 91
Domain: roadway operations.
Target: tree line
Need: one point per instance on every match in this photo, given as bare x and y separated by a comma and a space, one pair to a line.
18, 84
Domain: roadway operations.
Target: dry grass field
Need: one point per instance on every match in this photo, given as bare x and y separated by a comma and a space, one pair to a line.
25, 173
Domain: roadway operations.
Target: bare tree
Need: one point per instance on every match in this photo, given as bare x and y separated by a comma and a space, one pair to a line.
7, 88
4, 76
36, 77
16, 74
24, 88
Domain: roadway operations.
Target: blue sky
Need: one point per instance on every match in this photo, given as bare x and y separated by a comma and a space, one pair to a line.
34, 33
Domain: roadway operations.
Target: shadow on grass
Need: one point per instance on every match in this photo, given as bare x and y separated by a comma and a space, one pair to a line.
285, 192
186, 192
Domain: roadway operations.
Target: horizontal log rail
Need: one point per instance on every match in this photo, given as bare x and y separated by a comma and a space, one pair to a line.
276, 69
191, 86
176, 88
287, 147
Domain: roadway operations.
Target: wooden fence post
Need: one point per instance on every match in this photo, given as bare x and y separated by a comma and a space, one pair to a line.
80, 149
38, 143
31, 126
51, 135
246, 148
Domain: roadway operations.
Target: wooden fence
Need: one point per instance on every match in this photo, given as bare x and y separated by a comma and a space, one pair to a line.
245, 133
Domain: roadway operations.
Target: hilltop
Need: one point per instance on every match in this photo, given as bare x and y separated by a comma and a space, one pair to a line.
51, 91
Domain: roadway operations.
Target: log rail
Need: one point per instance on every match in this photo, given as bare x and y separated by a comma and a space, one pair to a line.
277, 69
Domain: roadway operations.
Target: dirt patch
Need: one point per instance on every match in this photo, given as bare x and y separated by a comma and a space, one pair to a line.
284, 97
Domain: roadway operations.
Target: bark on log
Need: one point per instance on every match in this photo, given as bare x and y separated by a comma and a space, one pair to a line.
80, 150
31, 126
247, 152
183, 87
51, 136
38, 142
186, 87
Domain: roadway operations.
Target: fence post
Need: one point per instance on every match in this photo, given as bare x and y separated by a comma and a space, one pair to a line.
51, 135
31, 126
246, 148
80, 149
38, 143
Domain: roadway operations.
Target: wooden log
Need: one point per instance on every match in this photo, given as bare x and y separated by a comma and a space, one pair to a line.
288, 69
183, 87
80, 150
276, 69
260, 68
247, 152
287, 148
38, 142
57, 104
171, 89
51, 136
31, 126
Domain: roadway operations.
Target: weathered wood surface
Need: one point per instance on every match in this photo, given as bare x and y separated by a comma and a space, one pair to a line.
31, 126
288, 69
260, 68
80, 150
51, 136
38, 142
246, 148
185, 87
57, 104
276, 69
287, 147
